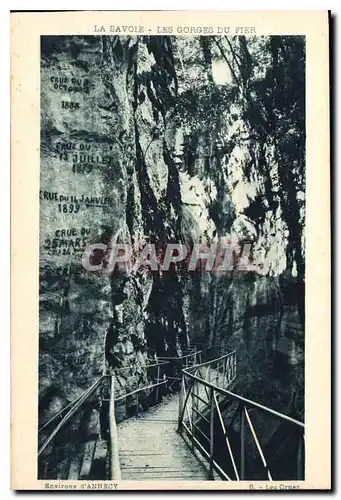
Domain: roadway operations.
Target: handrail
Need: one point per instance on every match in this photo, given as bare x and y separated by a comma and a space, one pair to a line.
115, 470
205, 453
209, 362
249, 402
70, 413
66, 413
143, 366
140, 389
226, 438
180, 357
204, 405
58, 414
255, 438
74, 401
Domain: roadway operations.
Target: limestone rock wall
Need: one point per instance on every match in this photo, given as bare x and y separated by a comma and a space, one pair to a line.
141, 141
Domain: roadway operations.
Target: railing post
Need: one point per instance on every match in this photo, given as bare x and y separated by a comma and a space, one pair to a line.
210, 475
242, 443
157, 387
194, 386
234, 364
300, 460
114, 458
181, 402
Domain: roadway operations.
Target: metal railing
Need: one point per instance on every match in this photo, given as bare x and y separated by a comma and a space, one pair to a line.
50, 435
176, 364
221, 425
57, 436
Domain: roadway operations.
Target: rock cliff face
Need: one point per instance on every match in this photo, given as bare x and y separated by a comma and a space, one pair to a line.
165, 140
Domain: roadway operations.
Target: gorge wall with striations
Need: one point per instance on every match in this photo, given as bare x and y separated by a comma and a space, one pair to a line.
165, 140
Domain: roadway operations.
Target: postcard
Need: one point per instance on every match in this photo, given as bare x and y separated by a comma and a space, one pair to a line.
170, 250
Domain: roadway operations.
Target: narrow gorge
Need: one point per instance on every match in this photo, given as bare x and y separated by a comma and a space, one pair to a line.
159, 140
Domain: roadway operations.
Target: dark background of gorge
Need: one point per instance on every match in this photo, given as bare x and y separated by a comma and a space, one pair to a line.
204, 138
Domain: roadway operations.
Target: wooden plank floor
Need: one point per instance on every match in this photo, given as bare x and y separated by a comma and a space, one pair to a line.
151, 449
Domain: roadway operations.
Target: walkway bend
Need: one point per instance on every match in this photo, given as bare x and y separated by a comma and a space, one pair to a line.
203, 432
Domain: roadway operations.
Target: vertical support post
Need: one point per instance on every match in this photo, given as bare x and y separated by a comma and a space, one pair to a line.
115, 470
137, 403
300, 459
210, 475
242, 443
181, 402
194, 386
157, 387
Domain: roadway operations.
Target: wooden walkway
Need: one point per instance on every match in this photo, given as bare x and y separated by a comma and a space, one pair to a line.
150, 447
